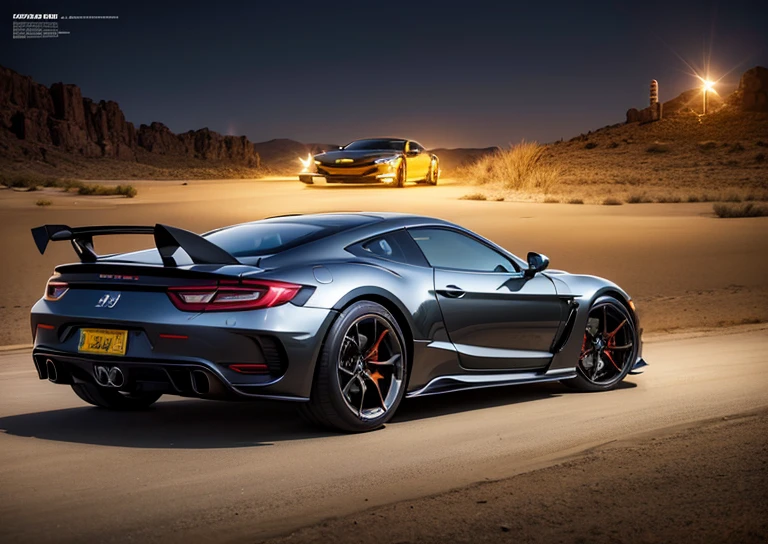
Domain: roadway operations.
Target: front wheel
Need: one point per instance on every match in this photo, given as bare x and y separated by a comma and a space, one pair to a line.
401, 175
113, 399
361, 373
608, 349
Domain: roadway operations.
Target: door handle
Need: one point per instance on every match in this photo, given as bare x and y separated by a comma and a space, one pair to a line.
452, 291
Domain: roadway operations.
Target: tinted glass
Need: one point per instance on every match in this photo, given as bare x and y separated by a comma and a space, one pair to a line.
413, 146
383, 144
449, 249
256, 239
393, 246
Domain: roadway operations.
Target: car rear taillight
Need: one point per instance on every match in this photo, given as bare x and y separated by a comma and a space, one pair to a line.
224, 295
54, 290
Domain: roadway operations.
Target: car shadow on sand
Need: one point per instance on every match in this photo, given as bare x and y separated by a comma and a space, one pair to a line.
199, 424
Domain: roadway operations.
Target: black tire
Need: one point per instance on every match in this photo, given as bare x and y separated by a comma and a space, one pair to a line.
112, 399
434, 172
327, 406
402, 174
614, 312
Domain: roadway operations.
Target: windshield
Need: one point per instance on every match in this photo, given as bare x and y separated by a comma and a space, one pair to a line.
384, 144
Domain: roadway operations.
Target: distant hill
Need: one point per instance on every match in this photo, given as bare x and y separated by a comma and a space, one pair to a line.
727, 147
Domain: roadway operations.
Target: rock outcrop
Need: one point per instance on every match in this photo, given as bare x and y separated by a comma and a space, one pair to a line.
753, 89
61, 118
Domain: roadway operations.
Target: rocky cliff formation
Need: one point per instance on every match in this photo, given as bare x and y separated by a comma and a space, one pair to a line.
61, 119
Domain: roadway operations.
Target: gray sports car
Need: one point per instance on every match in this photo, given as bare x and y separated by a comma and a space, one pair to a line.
345, 313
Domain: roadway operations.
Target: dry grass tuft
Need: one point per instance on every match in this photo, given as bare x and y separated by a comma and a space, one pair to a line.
694, 198
590, 145
43, 202
610, 201
658, 147
474, 196
128, 191
740, 210
521, 167
575, 201
551, 200
707, 146
638, 198
668, 199
731, 197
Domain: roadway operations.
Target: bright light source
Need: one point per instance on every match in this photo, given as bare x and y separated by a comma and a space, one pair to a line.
707, 85
306, 163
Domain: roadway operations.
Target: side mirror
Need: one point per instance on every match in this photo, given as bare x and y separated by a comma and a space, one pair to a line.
536, 263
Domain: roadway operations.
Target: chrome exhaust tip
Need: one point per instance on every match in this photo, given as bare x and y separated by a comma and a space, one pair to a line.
108, 376
201, 385
50, 369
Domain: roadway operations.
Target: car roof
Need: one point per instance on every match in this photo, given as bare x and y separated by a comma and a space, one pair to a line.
352, 219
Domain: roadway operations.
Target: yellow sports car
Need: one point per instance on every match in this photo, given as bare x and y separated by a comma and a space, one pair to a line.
377, 160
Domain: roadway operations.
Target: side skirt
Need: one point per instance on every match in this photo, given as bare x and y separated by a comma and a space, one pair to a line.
463, 382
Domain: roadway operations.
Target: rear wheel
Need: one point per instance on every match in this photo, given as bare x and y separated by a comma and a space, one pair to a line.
113, 399
434, 173
360, 375
608, 348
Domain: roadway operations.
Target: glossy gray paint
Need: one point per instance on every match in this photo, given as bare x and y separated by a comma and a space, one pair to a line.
502, 330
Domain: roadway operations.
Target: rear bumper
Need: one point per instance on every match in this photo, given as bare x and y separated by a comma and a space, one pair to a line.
286, 340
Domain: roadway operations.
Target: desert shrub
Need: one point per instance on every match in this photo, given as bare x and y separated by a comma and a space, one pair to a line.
611, 201
520, 167
761, 143
127, 191
731, 197
613, 145
706, 146
590, 145
551, 200
638, 198
736, 148
668, 199
473, 196
498, 199
693, 198
657, 147
43, 202
575, 201
760, 158
743, 210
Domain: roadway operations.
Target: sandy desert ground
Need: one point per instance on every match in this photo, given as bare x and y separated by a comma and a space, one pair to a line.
685, 267
215, 472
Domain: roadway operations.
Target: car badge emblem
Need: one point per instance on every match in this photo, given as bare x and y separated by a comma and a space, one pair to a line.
344, 160
108, 300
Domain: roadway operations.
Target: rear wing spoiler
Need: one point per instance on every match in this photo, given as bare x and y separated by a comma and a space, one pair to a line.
167, 239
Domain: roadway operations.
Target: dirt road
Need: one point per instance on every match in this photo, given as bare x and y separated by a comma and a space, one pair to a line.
239, 472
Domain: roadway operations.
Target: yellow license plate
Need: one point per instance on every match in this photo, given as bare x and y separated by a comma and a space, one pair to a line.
104, 341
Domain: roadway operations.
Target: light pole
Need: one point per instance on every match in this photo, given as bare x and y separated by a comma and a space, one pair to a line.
707, 86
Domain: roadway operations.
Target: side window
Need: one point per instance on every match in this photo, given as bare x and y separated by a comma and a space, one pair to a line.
450, 249
414, 146
393, 246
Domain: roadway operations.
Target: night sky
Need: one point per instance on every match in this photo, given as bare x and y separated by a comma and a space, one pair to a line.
449, 74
